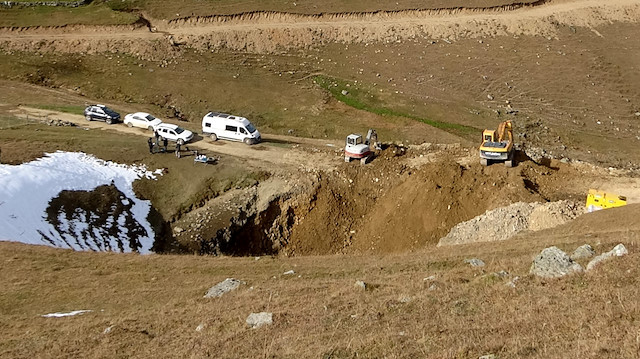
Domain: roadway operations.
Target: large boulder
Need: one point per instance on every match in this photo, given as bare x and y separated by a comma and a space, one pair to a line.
223, 287
584, 251
552, 262
256, 320
617, 251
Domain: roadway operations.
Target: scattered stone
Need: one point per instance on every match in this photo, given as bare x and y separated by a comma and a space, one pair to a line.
488, 356
490, 97
289, 272
404, 299
223, 287
475, 262
178, 230
617, 251
256, 320
637, 113
344, 92
433, 287
200, 327
584, 251
512, 283
361, 285
108, 329
429, 278
501, 274
552, 262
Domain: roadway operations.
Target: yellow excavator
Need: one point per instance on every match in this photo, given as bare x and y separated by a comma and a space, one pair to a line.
497, 146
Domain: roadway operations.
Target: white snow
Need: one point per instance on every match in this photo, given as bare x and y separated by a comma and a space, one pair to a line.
25, 192
68, 314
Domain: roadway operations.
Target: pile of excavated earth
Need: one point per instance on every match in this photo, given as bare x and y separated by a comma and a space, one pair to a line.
405, 199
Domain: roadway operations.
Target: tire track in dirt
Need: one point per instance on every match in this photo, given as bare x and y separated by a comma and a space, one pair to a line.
268, 32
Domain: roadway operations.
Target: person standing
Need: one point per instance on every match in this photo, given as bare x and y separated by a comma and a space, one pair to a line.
150, 143
165, 142
178, 154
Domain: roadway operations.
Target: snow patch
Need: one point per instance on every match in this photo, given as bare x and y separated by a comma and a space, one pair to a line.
68, 314
27, 189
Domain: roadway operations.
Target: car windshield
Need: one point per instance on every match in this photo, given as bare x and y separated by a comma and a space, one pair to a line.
250, 128
109, 111
150, 118
179, 130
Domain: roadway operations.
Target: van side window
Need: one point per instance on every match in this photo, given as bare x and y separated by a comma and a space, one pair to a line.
243, 131
207, 124
231, 128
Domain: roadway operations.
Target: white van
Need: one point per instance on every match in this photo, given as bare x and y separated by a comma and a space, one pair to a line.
229, 127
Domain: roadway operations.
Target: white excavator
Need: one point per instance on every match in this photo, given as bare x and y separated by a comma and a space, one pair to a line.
357, 148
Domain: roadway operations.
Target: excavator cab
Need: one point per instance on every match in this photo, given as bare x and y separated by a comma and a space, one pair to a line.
353, 140
488, 136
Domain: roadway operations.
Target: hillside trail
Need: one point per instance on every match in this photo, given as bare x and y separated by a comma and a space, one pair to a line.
540, 18
275, 153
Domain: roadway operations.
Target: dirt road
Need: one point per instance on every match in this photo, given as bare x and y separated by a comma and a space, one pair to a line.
281, 151
265, 32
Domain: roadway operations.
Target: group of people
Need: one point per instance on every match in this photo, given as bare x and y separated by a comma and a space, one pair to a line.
152, 144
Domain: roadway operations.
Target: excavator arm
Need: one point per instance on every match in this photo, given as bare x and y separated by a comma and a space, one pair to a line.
505, 132
372, 138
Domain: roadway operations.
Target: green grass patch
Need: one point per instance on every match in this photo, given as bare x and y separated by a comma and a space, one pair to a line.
74, 109
364, 100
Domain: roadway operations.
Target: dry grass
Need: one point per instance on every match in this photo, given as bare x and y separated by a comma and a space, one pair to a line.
154, 303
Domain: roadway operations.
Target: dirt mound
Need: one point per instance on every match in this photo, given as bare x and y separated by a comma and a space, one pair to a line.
389, 207
503, 223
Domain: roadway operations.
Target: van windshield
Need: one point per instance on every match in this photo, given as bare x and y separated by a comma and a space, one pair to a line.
250, 128
179, 130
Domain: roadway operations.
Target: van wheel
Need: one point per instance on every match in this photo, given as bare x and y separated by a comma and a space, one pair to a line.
484, 162
88, 117
109, 121
129, 124
213, 137
247, 141
150, 128
180, 142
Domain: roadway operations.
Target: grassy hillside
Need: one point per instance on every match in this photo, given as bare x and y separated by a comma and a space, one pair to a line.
153, 304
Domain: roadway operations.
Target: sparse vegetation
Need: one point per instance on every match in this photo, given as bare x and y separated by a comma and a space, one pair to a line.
361, 99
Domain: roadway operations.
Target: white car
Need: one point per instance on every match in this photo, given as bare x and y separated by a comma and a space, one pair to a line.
142, 120
174, 133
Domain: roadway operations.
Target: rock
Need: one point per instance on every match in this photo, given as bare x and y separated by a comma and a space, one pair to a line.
429, 278
512, 283
505, 222
361, 285
475, 262
490, 97
289, 272
584, 251
178, 230
223, 287
344, 92
552, 262
200, 327
108, 329
488, 356
617, 251
637, 113
256, 320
